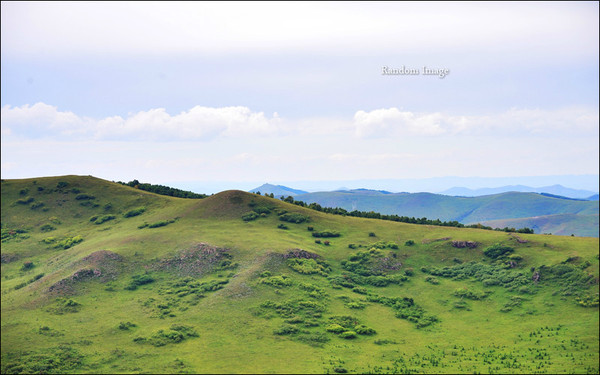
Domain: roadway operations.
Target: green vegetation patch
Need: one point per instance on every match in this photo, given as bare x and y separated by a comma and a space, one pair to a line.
325, 234
55, 360
294, 218
64, 243
16, 235
497, 250
406, 308
173, 335
489, 275
134, 212
64, 306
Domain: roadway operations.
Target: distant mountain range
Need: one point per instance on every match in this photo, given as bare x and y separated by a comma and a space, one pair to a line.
554, 189
277, 190
545, 212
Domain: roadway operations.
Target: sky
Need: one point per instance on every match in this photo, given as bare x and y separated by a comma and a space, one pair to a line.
201, 92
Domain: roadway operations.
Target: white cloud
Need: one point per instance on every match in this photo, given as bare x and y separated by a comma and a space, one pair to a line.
199, 123
392, 122
40, 121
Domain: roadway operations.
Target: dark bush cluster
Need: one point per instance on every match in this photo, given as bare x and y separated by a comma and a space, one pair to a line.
163, 190
405, 309
488, 274
82, 197
497, 250
138, 280
134, 212
309, 266
326, 234
293, 218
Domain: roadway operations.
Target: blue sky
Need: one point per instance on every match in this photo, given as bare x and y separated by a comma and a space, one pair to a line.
295, 92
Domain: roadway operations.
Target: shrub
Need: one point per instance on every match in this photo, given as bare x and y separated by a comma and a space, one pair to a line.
309, 266
372, 234
25, 200
293, 218
138, 280
351, 246
335, 328
125, 326
469, 294
364, 330
409, 272
62, 184
326, 243
318, 241
134, 212
286, 329
250, 216
83, 197
161, 223
47, 228
497, 250
104, 219
36, 205
325, 234
432, 280
310, 229
282, 226
66, 242
27, 266
409, 243
348, 335
277, 281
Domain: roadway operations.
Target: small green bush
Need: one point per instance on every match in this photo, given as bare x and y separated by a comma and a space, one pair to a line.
282, 226
134, 212
348, 335
83, 197
25, 200
138, 280
335, 328
409, 243
497, 250
27, 266
250, 216
325, 234
47, 228
293, 218
286, 329
103, 219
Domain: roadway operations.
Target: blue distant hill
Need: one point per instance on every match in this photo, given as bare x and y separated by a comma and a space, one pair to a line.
557, 190
277, 190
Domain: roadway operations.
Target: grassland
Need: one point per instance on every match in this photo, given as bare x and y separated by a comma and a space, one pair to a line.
157, 284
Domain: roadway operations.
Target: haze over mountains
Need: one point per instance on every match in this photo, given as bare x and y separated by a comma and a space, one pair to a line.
554, 189
544, 211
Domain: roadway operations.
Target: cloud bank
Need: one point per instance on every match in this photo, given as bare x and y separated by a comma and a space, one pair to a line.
41, 121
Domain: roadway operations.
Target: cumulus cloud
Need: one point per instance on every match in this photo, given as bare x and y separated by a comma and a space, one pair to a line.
381, 123
198, 123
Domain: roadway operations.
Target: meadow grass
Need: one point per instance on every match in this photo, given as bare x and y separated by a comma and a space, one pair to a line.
236, 313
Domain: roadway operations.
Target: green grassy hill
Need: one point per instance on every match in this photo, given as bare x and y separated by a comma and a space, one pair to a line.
467, 210
103, 278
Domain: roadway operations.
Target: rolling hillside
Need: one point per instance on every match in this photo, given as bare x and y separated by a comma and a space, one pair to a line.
561, 224
466, 210
99, 277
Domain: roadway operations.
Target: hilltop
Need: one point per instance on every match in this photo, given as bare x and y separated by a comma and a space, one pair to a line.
277, 190
105, 278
